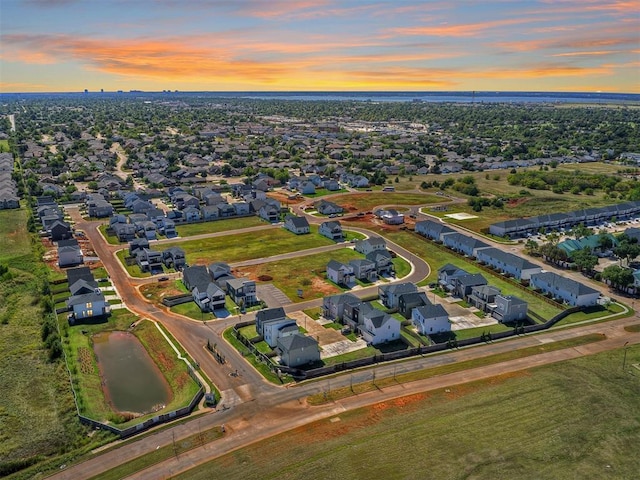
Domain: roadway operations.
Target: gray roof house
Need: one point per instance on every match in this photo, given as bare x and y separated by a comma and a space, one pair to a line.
431, 319
333, 306
370, 245
332, 230
433, 230
509, 309
297, 225
389, 294
340, 274
508, 263
297, 350
567, 290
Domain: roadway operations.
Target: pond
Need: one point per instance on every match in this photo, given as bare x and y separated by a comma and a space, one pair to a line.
131, 380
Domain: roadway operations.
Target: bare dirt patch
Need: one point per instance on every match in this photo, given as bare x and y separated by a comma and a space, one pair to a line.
514, 202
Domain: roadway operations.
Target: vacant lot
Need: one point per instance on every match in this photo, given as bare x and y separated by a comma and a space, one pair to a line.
218, 226
246, 246
14, 238
538, 424
367, 201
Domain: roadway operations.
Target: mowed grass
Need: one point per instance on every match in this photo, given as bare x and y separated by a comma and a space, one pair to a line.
367, 201
219, 226
576, 419
245, 246
307, 273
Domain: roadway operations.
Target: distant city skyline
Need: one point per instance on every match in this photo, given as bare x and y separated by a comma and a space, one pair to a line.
325, 45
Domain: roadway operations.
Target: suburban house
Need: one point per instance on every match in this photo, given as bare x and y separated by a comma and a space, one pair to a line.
464, 283
430, 319
191, 214
364, 269
483, 297
392, 217
379, 327
174, 257
389, 294
60, 230
463, 244
567, 290
137, 244
88, 305
370, 245
269, 213
242, 291
408, 301
508, 263
195, 275
447, 275
297, 225
272, 324
324, 207
69, 253
297, 350
509, 309
331, 230
433, 230
124, 231
149, 260
333, 306
307, 188
382, 260
340, 274
219, 269
208, 296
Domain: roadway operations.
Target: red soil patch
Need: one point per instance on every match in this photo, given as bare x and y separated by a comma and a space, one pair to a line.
514, 202
265, 278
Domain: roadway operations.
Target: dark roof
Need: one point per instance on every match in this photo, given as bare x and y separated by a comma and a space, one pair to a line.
563, 283
85, 298
196, 275
270, 314
432, 311
75, 274
72, 242
297, 341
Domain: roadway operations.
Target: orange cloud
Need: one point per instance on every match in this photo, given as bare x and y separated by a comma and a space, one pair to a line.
460, 30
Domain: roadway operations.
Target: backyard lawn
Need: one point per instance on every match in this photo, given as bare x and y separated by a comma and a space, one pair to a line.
219, 226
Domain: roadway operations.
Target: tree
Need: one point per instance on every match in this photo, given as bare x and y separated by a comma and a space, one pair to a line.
627, 249
584, 259
531, 246
580, 231
618, 277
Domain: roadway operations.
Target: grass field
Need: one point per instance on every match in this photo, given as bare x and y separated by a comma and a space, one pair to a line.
245, 246
218, 226
14, 238
367, 201
4, 146
576, 419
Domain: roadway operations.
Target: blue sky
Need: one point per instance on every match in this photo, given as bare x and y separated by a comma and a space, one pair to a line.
544, 45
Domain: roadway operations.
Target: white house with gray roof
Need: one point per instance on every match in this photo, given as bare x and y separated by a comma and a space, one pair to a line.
570, 291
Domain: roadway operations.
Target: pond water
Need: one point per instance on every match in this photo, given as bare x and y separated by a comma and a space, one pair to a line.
131, 380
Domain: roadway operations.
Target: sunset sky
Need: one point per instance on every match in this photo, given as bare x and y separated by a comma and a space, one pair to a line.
544, 45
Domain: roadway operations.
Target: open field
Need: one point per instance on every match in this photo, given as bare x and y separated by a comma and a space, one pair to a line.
367, 201
246, 246
218, 226
14, 238
537, 424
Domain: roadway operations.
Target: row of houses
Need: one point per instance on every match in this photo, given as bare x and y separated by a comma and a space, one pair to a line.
566, 290
152, 261
209, 285
8, 190
377, 262
86, 300
521, 227
306, 185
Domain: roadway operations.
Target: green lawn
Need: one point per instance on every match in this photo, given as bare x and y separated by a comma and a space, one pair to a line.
576, 419
218, 226
245, 246
4, 146
133, 270
111, 239
192, 310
